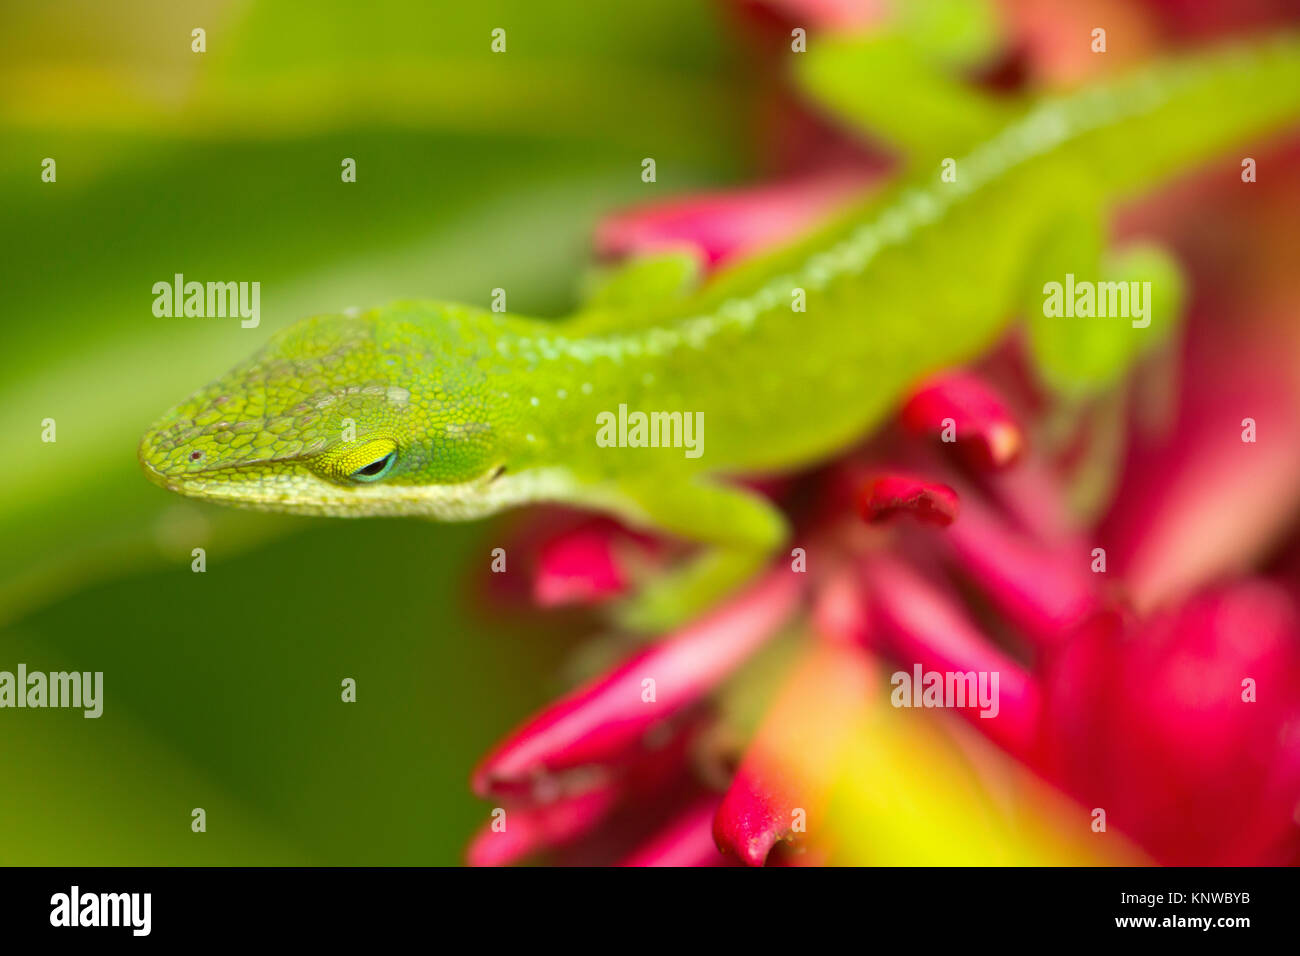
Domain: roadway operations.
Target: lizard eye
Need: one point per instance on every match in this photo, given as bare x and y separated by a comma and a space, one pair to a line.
376, 469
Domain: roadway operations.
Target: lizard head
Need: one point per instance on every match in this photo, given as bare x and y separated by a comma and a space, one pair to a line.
374, 414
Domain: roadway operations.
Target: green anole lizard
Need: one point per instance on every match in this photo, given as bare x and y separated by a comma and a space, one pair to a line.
454, 412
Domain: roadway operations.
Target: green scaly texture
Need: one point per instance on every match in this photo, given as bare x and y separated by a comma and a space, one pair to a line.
454, 412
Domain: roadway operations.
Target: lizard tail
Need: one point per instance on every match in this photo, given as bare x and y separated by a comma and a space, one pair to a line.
1175, 115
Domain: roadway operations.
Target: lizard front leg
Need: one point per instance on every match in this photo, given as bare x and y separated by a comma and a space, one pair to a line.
902, 84
738, 529
1083, 357
1078, 352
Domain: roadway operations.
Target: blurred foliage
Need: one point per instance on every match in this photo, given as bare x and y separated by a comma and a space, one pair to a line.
475, 170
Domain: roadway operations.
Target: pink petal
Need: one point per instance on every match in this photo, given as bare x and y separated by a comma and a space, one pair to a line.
1146, 718
1044, 589
1203, 504
841, 613
723, 226
686, 841
530, 828
599, 721
790, 766
581, 566
888, 496
756, 814
844, 15
969, 409
1033, 496
926, 627
1047, 32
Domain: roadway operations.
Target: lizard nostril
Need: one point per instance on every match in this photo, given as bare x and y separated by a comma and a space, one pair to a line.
195, 455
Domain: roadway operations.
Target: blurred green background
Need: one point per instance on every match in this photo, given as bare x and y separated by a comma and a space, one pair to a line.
474, 170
